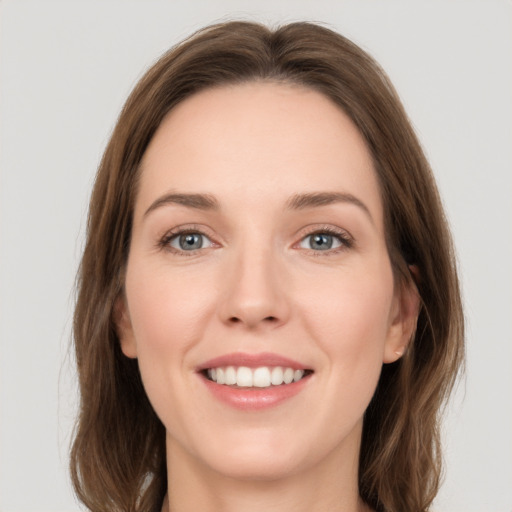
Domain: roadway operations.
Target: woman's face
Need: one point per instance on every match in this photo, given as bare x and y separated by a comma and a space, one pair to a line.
258, 256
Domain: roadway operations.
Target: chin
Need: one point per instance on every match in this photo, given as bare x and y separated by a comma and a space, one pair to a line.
263, 468
262, 456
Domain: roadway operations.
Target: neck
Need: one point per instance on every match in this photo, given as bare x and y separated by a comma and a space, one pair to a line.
331, 485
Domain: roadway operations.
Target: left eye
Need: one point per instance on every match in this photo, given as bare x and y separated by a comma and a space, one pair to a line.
190, 241
321, 242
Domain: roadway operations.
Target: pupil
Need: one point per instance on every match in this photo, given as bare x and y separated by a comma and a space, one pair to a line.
322, 242
191, 241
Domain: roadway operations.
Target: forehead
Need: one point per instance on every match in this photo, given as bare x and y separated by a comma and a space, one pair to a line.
258, 141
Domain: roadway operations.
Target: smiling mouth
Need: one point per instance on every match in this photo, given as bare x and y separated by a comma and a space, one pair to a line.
255, 378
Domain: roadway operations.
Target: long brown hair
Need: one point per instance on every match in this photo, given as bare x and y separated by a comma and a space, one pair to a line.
118, 454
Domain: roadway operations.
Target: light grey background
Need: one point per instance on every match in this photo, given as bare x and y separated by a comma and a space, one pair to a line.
66, 68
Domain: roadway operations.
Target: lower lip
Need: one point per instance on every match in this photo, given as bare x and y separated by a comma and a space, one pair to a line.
251, 399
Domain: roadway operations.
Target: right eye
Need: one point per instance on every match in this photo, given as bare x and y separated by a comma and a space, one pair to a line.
189, 241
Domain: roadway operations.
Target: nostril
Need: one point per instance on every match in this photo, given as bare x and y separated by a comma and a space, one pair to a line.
236, 320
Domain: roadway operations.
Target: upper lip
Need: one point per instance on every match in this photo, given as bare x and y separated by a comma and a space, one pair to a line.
251, 361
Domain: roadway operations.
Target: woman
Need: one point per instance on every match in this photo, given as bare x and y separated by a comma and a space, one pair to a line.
268, 313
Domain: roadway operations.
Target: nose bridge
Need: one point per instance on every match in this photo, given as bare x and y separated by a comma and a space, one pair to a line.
254, 291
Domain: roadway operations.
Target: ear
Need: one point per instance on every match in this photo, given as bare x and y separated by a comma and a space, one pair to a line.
124, 327
404, 317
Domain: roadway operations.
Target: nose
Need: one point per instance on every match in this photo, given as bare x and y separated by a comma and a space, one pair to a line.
254, 291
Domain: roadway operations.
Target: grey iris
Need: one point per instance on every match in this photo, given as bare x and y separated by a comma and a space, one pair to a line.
321, 241
191, 241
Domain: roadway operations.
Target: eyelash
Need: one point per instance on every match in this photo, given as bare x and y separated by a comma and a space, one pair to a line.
165, 241
346, 241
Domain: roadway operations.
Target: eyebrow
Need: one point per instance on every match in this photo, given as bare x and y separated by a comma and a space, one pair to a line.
197, 201
315, 199
296, 202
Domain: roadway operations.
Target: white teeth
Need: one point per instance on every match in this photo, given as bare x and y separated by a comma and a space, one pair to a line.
288, 375
261, 377
277, 376
297, 375
220, 376
244, 377
230, 376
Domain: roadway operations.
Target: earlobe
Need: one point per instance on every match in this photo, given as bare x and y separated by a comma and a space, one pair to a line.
124, 328
405, 317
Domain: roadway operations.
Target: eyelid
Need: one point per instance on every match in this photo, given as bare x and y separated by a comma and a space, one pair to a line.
163, 241
346, 239
175, 241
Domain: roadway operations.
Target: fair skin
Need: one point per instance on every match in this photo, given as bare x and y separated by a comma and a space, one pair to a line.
283, 263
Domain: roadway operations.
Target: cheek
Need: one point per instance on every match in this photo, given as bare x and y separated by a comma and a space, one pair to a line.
168, 313
166, 308
350, 317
